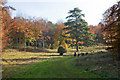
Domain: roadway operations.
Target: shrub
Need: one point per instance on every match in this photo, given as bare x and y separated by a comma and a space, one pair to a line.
51, 47
80, 47
61, 50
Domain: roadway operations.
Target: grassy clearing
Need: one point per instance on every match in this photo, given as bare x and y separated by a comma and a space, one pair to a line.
97, 64
57, 68
14, 57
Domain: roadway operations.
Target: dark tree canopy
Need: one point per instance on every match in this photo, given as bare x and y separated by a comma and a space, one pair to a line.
77, 26
111, 28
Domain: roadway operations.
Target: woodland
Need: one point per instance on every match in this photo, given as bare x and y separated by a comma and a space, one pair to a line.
35, 41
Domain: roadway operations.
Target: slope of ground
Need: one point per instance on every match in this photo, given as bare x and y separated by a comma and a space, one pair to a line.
57, 68
100, 63
96, 64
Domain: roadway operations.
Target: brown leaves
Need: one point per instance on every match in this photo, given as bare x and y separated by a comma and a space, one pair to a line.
111, 28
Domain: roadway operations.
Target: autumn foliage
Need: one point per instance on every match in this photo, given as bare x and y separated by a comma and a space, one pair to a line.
20, 32
111, 29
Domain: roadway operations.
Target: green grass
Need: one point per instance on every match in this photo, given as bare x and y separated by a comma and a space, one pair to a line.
14, 57
100, 63
57, 68
48, 64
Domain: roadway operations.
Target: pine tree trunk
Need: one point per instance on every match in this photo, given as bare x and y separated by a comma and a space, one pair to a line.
77, 49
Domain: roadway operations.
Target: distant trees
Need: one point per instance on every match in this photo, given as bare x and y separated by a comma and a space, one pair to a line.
21, 32
58, 39
32, 32
77, 27
48, 34
111, 28
97, 34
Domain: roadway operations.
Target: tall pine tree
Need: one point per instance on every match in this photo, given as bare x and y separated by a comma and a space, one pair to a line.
77, 27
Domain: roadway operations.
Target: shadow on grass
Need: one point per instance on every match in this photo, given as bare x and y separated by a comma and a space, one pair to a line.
57, 55
24, 59
99, 63
36, 50
33, 58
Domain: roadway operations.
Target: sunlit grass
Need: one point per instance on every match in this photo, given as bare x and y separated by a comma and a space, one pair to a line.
26, 57
15, 57
88, 65
55, 68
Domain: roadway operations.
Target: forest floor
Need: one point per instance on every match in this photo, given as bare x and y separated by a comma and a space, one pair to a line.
46, 63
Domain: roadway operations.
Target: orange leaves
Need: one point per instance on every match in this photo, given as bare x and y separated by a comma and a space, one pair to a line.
58, 39
7, 26
3, 2
95, 29
83, 34
49, 37
92, 30
80, 42
111, 28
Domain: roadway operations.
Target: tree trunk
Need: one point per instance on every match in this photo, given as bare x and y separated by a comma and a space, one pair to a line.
0, 31
43, 42
19, 37
28, 43
0, 42
36, 44
77, 49
25, 41
17, 43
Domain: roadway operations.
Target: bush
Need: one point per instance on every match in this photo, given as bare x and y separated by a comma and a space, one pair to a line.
80, 47
51, 47
61, 50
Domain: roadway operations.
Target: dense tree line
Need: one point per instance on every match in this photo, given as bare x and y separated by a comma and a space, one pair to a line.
21, 32
111, 29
